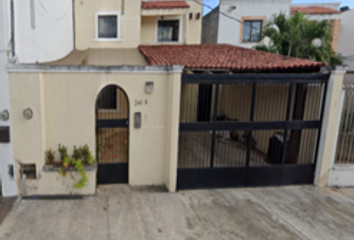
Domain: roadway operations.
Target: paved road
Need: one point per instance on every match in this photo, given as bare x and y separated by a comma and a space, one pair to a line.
123, 212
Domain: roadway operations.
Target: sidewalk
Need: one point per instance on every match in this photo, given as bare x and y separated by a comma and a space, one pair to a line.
123, 212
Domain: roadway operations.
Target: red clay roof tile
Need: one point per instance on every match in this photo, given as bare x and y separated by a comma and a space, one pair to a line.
313, 10
222, 56
164, 4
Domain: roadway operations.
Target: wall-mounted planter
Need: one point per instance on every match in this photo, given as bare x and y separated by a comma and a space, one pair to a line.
51, 183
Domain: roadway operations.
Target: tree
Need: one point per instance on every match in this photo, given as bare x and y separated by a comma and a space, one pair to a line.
297, 36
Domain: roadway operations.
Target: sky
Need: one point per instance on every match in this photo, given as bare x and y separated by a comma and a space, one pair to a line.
350, 3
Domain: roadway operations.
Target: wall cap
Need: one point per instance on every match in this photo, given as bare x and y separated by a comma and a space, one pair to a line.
38, 68
334, 70
346, 167
89, 168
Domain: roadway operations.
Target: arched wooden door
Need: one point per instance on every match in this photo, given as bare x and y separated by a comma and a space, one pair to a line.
112, 135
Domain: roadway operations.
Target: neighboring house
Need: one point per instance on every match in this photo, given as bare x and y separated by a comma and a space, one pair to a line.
346, 39
245, 22
42, 31
240, 22
152, 107
6, 155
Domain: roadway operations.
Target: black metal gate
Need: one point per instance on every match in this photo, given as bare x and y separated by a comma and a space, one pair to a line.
112, 121
249, 129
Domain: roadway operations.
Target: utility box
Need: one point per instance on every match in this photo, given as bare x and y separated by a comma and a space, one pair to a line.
4, 134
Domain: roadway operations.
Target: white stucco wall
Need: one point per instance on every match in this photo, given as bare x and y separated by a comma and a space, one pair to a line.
52, 37
230, 30
346, 39
342, 176
6, 155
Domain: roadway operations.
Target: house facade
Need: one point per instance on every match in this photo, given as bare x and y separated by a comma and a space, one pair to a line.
240, 22
8, 184
149, 105
136, 22
345, 46
251, 17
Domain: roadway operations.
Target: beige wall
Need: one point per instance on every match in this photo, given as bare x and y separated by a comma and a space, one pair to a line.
52, 183
85, 23
148, 29
330, 127
64, 112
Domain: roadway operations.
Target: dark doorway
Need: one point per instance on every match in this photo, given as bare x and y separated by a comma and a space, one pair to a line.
112, 135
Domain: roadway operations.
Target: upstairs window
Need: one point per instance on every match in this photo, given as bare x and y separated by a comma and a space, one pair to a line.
252, 31
168, 30
107, 26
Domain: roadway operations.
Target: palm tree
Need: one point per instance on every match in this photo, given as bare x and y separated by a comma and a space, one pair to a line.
299, 37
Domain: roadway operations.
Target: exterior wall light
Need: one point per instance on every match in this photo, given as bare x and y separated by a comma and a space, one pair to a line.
27, 113
149, 87
232, 8
4, 115
198, 16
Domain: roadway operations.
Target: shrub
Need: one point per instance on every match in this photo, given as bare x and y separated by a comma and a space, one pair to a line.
63, 151
85, 152
66, 162
50, 155
77, 153
90, 159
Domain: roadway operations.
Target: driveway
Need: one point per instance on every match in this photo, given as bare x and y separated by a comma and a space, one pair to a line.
129, 213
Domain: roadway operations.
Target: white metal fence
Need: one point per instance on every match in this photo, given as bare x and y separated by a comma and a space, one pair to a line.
345, 145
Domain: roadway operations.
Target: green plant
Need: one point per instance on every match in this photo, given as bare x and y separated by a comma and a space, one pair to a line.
80, 168
63, 151
85, 152
66, 162
62, 172
297, 36
90, 159
77, 153
50, 155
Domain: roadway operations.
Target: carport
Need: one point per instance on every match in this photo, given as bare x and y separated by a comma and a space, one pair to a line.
247, 118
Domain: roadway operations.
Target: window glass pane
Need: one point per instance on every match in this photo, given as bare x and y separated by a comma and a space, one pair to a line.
246, 37
107, 27
168, 31
256, 31
165, 34
252, 31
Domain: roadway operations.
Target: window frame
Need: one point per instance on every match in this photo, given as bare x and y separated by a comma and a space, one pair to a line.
262, 19
251, 31
174, 18
100, 14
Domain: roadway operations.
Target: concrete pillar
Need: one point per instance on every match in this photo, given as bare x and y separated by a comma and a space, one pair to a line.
331, 118
173, 111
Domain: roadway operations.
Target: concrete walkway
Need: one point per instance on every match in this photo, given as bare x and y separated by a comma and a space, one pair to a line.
123, 212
